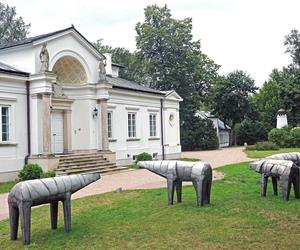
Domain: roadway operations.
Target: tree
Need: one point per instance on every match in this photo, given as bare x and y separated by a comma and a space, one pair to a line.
229, 98
12, 28
200, 135
172, 60
292, 43
268, 102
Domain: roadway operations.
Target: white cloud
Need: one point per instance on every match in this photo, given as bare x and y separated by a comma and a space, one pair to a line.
237, 34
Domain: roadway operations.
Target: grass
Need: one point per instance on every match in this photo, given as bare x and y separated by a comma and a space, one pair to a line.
237, 218
265, 153
6, 187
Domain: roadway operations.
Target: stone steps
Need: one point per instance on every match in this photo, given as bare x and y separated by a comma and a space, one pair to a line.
86, 163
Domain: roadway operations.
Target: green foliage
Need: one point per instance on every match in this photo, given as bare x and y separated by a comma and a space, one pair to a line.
280, 137
268, 102
292, 43
295, 137
6, 186
229, 98
143, 157
264, 145
12, 28
30, 172
250, 131
197, 133
48, 174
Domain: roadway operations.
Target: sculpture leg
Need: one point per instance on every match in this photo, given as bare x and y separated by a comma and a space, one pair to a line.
53, 214
208, 190
199, 191
14, 221
275, 188
286, 188
67, 213
25, 216
296, 186
264, 183
171, 190
179, 191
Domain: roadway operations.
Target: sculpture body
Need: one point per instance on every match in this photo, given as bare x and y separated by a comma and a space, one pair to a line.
293, 156
199, 173
284, 170
27, 194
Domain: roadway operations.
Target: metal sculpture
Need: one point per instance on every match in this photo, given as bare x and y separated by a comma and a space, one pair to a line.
293, 156
200, 173
27, 194
285, 171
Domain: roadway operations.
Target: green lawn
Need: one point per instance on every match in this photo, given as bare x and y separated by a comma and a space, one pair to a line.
6, 187
237, 218
262, 154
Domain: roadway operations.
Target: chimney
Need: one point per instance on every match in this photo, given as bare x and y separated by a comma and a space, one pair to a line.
108, 67
281, 119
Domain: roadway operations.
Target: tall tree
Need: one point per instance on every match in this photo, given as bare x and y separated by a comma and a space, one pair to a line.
172, 60
292, 43
12, 27
230, 97
268, 102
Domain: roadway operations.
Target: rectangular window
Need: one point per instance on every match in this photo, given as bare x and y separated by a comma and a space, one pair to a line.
152, 123
131, 125
4, 124
109, 124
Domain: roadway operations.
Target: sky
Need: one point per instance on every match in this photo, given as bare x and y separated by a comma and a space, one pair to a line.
237, 34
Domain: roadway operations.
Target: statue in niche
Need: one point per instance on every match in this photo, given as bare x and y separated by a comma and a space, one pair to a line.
102, 71
44, 58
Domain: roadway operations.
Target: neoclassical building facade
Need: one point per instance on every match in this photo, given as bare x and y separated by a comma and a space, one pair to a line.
58, 98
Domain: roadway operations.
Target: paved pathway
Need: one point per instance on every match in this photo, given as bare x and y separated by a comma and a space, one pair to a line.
219, 157
143, 179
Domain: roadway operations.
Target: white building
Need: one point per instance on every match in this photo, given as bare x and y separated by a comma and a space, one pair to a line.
62, 106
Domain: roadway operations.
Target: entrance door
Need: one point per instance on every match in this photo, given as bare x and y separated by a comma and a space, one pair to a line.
57, 132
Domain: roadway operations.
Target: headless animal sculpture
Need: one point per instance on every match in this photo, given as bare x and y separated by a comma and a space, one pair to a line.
176, 172
27, 194
286, 171
293, 156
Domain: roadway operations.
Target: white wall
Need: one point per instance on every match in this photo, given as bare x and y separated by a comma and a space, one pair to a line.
13, 94
120, 103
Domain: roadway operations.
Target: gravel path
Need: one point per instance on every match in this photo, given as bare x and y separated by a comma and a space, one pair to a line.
143, 179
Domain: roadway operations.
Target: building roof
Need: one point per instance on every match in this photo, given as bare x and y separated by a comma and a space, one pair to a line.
30, 40
208, 115
5, 68
125, 84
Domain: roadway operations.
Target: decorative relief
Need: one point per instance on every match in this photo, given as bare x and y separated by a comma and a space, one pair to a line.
69, 70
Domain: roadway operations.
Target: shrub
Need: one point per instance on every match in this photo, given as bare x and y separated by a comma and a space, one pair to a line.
30, 172
198, 133
250, 131
281, 137
266, 145
48, 174
295, 136
143, 157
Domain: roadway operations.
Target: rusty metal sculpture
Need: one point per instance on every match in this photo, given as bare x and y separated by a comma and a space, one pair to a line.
27, 194
284, 170
200, 173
